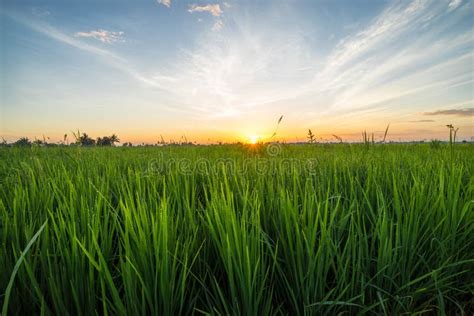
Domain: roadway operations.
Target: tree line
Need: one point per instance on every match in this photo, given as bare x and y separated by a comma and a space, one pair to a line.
80, 139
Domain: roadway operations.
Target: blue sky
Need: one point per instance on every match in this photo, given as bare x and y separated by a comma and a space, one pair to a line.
226, 70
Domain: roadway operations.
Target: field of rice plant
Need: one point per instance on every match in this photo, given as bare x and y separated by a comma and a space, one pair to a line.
237, 230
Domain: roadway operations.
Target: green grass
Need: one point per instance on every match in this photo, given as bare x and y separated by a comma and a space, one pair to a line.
298, 230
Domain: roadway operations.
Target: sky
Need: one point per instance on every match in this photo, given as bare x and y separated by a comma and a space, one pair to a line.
212, 71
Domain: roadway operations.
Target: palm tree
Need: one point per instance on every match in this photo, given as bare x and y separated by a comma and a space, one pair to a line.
107, 140
85, 140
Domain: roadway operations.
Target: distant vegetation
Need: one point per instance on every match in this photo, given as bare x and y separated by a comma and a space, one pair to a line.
83, 139
80, 140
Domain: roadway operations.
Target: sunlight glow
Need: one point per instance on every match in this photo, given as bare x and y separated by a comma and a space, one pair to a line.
253, 139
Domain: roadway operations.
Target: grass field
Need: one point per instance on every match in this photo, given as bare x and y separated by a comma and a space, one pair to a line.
238, 230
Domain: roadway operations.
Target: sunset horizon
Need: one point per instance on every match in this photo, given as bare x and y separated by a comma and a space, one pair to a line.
224, 71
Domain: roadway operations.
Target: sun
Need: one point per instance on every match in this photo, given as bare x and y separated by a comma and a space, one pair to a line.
253, 139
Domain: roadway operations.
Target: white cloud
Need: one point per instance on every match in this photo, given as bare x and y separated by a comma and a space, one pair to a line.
166, 3
234, 75
214, 9
259, 69
386, 64
217, 25
392, 22
454, 4
59, 36
103, 35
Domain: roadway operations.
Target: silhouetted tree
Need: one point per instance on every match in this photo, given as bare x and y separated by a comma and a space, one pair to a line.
114, 139
103, 141
39, 142
23, 141
85, 140
107, 140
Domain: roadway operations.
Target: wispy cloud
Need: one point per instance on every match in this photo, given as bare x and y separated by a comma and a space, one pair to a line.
393, 21
108, 57
468, 112
249, 66
217, 25
454, 4
166, 3
54, 33
214, 9
40, 12
422, 121
228, 78
382, 62
410, 50
104, 36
